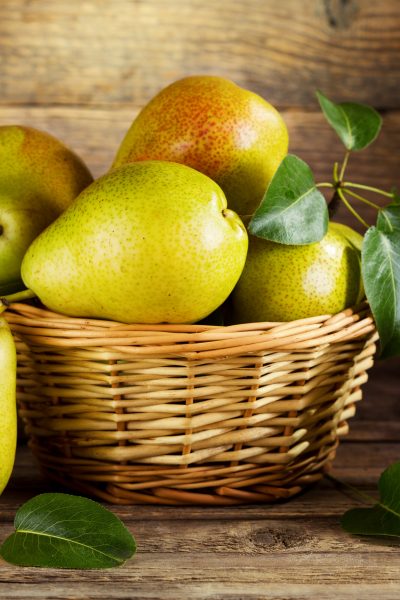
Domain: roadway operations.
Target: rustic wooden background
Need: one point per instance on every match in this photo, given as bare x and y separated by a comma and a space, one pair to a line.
82, 70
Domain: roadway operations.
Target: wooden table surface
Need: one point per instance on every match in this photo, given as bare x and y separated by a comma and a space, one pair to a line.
292, 550
81, 71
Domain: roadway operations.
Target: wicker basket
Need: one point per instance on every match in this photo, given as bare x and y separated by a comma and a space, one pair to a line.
178, 414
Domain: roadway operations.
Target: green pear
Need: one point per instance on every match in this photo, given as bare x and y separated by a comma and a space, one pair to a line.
229, 133
149, 242
8, 409
354, 238
284, 283
39, 178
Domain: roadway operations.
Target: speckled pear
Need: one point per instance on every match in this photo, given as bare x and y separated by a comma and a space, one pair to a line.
8, 408
284, 283
209, 123
149, 242
39, 178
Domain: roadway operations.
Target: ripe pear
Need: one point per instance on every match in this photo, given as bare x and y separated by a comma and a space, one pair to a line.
284, 283
149, 242
39, 178
229, 133
8, 410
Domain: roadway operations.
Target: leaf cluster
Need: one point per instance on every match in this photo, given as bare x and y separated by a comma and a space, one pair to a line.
294, 211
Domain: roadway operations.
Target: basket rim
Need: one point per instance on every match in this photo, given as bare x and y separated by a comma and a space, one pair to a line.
43, 327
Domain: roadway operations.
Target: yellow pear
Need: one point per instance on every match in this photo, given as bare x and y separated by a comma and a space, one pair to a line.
211, 124
284, 283
149, 242
8, 410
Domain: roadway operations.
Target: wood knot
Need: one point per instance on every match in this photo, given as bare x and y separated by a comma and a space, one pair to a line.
272, 539
339, 13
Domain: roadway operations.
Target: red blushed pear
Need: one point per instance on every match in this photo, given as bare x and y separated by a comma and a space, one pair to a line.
209, 123
39, 178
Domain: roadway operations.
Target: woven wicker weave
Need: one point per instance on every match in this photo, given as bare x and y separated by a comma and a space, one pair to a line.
175, 414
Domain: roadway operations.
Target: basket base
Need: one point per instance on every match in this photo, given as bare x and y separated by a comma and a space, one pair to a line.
225, 486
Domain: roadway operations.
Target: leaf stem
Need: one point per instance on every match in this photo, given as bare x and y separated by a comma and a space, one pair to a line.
339, 483
325, 184
350, 208
335, 173
369, 188
362, 199
344, 165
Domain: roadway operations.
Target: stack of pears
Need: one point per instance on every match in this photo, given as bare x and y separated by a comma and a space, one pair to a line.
156, 239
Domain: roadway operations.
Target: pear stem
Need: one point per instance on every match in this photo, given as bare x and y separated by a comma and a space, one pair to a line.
350, 208
5, 301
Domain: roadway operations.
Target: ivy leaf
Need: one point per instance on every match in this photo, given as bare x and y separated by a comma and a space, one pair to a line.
380, 265
70, 532
389, 218
293, 210
384, 517
357, 125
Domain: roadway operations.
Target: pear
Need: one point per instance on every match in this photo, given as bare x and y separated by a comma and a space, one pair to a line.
149, 242
39, 178
8, 410
354, 238
284, 283
209, 123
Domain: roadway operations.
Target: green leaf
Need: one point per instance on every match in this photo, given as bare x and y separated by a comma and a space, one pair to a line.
384, 517
70, 532
380, 264
389, 218
357, 125
293, 211
396, 196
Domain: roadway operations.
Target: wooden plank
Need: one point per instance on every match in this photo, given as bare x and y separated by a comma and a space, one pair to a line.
96, 134
381, 402
293, 550
200, 591
124, 52
225, 576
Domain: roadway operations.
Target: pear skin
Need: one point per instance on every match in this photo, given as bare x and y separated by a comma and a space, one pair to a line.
8, 409
149, 242
39, 178
354, 238
284, 283
231, 134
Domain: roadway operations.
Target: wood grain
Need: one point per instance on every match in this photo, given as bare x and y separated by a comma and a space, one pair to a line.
123, 52
291, 550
